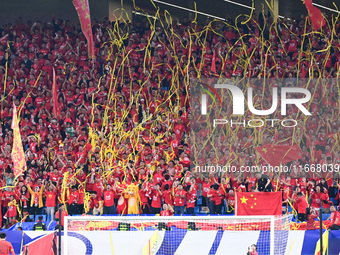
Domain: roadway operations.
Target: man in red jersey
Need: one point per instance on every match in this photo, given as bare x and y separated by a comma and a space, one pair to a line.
156, 203
50, 201
6, 248
301, 205
335, 219
63, 214
179, 195
108, 200
167, 210
73, 200
316, 198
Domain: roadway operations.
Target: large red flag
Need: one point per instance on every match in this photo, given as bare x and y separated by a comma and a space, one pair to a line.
279, 154
83, 10
258, 203
18, 155
55, 96
315, 15
44, 245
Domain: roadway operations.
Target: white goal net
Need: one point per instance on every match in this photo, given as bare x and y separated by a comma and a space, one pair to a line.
100, 235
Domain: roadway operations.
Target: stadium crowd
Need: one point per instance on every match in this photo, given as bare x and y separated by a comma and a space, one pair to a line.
124, 117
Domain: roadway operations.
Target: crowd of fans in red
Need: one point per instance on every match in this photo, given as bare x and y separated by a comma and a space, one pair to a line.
124, 117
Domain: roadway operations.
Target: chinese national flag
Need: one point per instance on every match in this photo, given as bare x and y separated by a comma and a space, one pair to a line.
315, 15
18, 155
258, 203
279, 154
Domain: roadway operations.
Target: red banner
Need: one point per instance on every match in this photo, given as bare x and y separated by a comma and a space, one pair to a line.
83, 10
91, 225
279, 154
315, 15
18, 156
258, 203
55, 96
44, 245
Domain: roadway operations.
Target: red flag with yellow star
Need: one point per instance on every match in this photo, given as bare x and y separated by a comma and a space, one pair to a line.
279, 154
315, 15
258, 203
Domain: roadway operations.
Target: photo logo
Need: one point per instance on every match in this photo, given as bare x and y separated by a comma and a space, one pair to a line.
238, 99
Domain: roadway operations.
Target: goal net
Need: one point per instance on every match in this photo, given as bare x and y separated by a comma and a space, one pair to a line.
176, 235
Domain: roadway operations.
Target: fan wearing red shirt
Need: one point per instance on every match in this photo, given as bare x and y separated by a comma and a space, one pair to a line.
97, 185
215, 196
156, 203
311, 219
301, 205
326, 203
6, 198
335, 219
108, 200
179, 195
174, 143
12, 211
167, 196
205, 189
179, 129
95, 204
50, 203
191, 199
167, 210
144, 195
63, 214
73, 200
158, 177
55, 176
316, 198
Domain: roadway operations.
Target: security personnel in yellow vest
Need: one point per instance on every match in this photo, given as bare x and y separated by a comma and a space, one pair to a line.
39, 225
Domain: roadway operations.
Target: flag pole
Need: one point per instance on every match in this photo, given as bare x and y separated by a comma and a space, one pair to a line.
320, 217
59, 232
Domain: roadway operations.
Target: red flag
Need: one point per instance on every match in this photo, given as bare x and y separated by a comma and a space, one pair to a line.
55, 96
258, 203
83, 10
315, 15
44, 245
213, 63
18, 155
279, 154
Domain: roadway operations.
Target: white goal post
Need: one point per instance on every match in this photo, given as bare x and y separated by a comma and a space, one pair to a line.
176, 234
